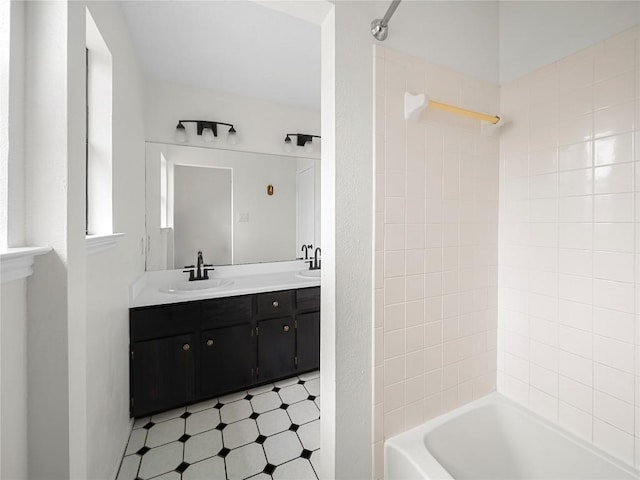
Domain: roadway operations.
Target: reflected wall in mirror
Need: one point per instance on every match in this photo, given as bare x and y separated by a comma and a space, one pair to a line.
217, 201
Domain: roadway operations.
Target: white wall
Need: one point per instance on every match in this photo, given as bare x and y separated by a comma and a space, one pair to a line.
500, 41
534, 34
347, 241
13, 350
13, 307
110, 273
54, 215
261, 125
569, 331
5, 61
74, 322
461, 35
12, 137
436, 248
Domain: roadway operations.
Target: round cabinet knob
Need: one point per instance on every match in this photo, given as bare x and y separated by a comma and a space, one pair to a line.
209, 342
285, 328
275, 304
186, 347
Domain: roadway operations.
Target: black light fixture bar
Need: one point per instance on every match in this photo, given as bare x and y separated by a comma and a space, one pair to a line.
301, 138
202, 124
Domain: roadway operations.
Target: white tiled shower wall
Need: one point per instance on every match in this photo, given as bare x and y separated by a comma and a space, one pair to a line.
569, 310
436, 247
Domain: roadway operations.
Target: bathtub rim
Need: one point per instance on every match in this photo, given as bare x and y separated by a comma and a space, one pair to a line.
411, 445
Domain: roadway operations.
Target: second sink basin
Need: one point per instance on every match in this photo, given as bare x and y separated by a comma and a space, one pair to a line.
309, 273
196, 286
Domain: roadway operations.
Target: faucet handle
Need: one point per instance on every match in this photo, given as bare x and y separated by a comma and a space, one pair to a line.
190, 272
207, 269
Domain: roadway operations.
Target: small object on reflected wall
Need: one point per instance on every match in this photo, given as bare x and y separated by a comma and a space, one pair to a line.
243, 217
269, 189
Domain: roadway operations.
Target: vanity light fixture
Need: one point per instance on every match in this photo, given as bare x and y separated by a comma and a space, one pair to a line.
207, 130
302, 140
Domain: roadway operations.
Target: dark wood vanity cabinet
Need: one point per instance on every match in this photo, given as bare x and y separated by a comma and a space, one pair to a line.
276, 348
228, 359
163, 372
227, 343
187, 352
276, 336
163, 357
308, 346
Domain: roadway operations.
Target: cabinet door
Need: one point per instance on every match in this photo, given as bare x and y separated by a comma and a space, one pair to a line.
162, 374
308, 341
228, 359
276, 348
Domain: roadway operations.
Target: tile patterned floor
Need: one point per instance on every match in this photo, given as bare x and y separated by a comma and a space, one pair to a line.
269, 432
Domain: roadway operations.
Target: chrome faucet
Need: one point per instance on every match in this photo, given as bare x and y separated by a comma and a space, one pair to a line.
314, 264
201, 269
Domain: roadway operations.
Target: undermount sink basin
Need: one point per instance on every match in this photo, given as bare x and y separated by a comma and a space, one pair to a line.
309, 273
196, 285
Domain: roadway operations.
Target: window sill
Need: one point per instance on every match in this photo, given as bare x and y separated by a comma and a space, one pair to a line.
100, 243
17, 263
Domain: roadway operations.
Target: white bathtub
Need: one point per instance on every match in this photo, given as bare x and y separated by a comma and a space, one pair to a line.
494, 438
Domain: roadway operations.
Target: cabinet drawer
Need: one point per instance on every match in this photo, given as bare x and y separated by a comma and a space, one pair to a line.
221, 312
275, 303
308, 298
163, 321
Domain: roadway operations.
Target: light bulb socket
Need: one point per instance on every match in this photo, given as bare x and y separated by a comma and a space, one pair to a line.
232, 136
288, 144
181, 133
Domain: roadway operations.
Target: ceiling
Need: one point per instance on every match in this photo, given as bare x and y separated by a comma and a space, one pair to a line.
246, 48
235, 46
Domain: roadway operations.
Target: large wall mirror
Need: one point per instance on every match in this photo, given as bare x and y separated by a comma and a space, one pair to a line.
236, 207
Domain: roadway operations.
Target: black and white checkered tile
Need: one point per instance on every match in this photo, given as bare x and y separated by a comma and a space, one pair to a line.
272, 431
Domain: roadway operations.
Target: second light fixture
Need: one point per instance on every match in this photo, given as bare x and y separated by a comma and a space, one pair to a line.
302, 140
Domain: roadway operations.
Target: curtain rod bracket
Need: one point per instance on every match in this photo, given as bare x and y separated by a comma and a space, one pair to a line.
380, 26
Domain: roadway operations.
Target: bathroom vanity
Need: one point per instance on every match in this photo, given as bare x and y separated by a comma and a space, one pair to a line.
187, 344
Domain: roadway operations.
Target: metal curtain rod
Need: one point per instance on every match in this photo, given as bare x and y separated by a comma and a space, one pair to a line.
380, 27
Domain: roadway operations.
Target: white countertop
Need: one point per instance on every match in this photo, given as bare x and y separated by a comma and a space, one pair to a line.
243, 279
